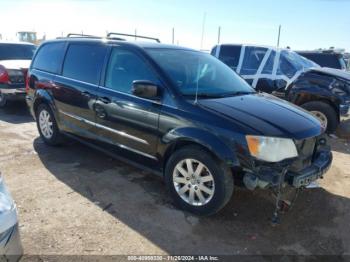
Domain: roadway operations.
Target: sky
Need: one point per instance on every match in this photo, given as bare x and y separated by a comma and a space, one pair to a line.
306, 24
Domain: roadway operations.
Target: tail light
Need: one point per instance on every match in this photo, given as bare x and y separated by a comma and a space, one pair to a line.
27, 77
4, 76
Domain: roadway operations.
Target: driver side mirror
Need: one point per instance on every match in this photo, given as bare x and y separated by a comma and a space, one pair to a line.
145, 89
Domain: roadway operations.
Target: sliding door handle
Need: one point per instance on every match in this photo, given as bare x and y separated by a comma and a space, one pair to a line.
104, 100
86, 94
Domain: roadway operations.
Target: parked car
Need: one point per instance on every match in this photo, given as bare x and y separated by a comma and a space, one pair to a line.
15, 59
10, 243
326, 58
325, 92
178, 112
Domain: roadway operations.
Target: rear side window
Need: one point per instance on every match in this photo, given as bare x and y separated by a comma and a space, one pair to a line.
286, 66
49, 57
213, 51
253, 57
230, 55
268, 68
84, 62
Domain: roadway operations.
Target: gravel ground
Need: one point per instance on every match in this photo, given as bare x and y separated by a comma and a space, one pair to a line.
74, 200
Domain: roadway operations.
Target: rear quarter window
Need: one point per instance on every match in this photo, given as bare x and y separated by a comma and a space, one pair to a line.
230, 55
49, 57
84, 62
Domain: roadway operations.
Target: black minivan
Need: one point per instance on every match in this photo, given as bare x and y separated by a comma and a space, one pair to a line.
181, 113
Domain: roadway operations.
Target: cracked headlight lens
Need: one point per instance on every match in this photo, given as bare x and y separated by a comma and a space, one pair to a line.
271, 149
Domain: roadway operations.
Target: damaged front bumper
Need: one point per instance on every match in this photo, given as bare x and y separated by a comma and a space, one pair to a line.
316, 170
269, 176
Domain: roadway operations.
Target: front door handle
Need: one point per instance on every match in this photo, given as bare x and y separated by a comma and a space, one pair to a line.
104, 100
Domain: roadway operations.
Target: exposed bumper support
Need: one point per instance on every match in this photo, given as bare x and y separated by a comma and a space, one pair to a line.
319, 167
269, 176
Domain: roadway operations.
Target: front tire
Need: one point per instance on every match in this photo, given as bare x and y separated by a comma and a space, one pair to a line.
325, 113
47, 126
197, 182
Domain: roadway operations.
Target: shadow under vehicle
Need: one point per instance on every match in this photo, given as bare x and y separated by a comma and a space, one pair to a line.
325, 92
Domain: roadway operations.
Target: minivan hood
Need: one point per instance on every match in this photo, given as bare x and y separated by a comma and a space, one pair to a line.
266, 115
15, 64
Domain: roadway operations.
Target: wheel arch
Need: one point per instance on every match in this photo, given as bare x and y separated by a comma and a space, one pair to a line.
303, 99
43, 97
180, 138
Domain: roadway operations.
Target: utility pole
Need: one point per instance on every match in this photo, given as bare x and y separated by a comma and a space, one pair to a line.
135, 34
203, 29
219, 34
173, 36
279, 36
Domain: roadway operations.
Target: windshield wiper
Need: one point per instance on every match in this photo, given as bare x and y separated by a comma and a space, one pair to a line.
203, 95
239, 93
207, 95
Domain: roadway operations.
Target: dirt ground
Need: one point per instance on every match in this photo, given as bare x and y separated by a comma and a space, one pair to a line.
74, 200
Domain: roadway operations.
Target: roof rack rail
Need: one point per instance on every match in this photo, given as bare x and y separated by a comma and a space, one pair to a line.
82, 35
136, 36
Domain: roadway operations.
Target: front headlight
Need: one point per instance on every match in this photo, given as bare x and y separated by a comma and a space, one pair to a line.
271, 149
6, 201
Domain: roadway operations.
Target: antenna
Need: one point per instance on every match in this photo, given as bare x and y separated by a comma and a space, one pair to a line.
203, 28
219, 35
197, 85
279, 36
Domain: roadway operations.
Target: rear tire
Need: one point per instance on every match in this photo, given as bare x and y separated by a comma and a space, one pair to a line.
321, 110
3, 100
47, 126
197, 182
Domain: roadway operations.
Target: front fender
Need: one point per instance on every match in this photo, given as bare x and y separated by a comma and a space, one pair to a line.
190, 135
302, 94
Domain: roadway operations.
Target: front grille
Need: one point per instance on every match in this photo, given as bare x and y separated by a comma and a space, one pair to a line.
306, 150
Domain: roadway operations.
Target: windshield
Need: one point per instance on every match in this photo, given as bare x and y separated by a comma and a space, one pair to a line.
193, 72
298, 61
16, 51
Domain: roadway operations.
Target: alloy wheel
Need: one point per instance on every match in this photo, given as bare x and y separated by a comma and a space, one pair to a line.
46, 124
193, 182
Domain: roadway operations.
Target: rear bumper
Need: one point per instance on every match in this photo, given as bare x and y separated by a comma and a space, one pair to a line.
13, 92
10, 245
318, 168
